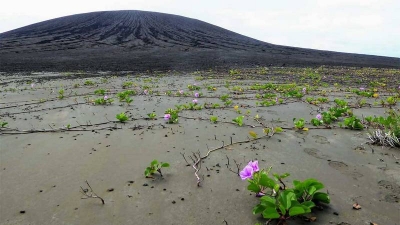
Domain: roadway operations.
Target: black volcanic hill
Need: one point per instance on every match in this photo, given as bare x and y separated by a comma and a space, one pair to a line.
138, 40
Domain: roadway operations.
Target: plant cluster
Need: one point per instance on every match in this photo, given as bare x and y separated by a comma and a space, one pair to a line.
103, 101
334, 113
127, 84
88, 83
278, 201
238, 120
3, 124
387, 129
61, 94
171, 116
155, 166
152, 116
100, 92
122, 117
193, 87
125, 95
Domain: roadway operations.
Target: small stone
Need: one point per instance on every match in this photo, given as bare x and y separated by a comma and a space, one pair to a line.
145, 185
22, 211
336, 213
173, 202
110, 189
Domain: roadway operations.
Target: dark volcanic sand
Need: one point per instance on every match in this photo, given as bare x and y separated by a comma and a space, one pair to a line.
140, 41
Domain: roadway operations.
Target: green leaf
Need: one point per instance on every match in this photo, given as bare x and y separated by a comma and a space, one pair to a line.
147, 171
165, 165
270, 213
266, 181
308, 204
154, 162
322, 197
258, 209
311, 190
296, 210
267, 199
296, 183
253, 187
286, 197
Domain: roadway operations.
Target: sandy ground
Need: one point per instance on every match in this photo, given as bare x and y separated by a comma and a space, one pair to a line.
42, 168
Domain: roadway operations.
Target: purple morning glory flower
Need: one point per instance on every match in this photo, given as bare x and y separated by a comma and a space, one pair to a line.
276, 100
167, 117
319, 117
246, 173
194, 101
196, 95
32, 85
105, 98
304, 90
181, 92
145, 92
254, 165
362, 89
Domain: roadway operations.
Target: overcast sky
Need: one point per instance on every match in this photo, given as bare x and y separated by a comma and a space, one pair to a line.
355, 26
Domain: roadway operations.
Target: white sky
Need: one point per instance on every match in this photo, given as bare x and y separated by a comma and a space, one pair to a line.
356, 26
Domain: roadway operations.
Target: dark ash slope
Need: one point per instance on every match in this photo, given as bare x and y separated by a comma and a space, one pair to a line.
137, 40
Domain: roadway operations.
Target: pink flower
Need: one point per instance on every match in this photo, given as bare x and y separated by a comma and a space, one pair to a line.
167, 117
304, 90
32, 85
276, 100
254, 165
362, 89
196, 95
194, 101
246, 173
105, 98
146, 92
319, 117
181, 92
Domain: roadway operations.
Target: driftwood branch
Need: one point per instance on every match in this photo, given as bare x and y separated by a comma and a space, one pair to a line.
89, 193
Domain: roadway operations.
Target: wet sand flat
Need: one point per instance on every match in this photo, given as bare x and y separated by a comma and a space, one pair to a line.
51, 146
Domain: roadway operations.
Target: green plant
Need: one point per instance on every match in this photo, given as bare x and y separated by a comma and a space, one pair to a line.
278, 201
171, 116
391, 100
100, 92
152, 115
193, 87
122, 117
61, 94
215, 105
127, 84
353, 123
224, 98
103, 101
88, 83
213, 119
128, 100
228, 102
3, 124
299, 124
211, 88
234, 72
238, 120
125, 94
155, 166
